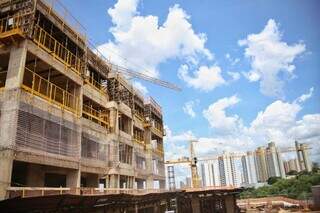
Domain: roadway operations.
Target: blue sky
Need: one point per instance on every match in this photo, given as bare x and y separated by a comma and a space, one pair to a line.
249, 70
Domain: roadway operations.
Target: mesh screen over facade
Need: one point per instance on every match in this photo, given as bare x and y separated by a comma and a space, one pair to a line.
53, 136
93, 149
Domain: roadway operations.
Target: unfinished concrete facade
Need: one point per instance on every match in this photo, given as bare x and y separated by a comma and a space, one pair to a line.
67, 118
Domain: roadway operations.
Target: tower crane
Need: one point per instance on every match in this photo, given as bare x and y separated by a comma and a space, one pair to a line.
130, 73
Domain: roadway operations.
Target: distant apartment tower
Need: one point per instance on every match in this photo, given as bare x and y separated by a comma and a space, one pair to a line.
188, 182
275, 166
291, 165
261, 165
210, 173
249, 172
227, 170
303, 156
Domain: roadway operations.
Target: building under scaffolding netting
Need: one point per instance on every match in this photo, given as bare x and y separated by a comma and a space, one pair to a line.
69, 122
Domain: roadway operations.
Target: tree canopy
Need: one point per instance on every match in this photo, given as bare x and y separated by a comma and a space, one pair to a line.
297, 188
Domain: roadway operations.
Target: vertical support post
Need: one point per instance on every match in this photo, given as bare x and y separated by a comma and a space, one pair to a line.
9, 115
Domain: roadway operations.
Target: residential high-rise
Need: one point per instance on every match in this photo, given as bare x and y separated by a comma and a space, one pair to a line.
227, 170
210, 173
261, 165
274, 162
249, 169
291, 165
303, 156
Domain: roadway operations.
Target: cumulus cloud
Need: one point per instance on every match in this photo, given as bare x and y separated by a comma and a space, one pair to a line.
218, 118
205, 78
188, 108
269, 57
278, 122
145, 42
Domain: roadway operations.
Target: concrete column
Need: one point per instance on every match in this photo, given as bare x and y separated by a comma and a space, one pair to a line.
230, 204
149, 183
6, 162
114, 120
9, 115
73, 178
17, 62
195, 203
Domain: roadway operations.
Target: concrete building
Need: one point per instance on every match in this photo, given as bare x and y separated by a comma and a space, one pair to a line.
210, 173
67, 118
228, 171
249, 172
303, 156
291, 165
261, 165
275, 166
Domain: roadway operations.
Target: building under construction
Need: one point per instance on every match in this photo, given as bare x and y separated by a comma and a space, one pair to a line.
68, 118
75, 136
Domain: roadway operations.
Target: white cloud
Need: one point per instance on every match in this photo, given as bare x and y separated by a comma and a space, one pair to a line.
217, 117
305, 97
188, 108
146, 43
232, 61
234, 75
205, 78
140, 87
278, 122
177, 145
270, 56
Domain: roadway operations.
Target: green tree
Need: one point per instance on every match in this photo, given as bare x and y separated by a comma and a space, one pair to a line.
273, 180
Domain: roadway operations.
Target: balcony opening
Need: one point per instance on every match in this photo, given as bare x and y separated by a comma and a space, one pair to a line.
126, 182
140, 183
19, 174
157, 166
140, 162
157, 144
96, 113
42, 80
4, 63
96, 80
138, 135
53, 40
124, 123
55, 180
156, 124
125, 153
139, 106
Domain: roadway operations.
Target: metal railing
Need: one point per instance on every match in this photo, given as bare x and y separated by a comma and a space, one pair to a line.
98, 116
45, 191
57, 50
10, 25
96, 85
37, 85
